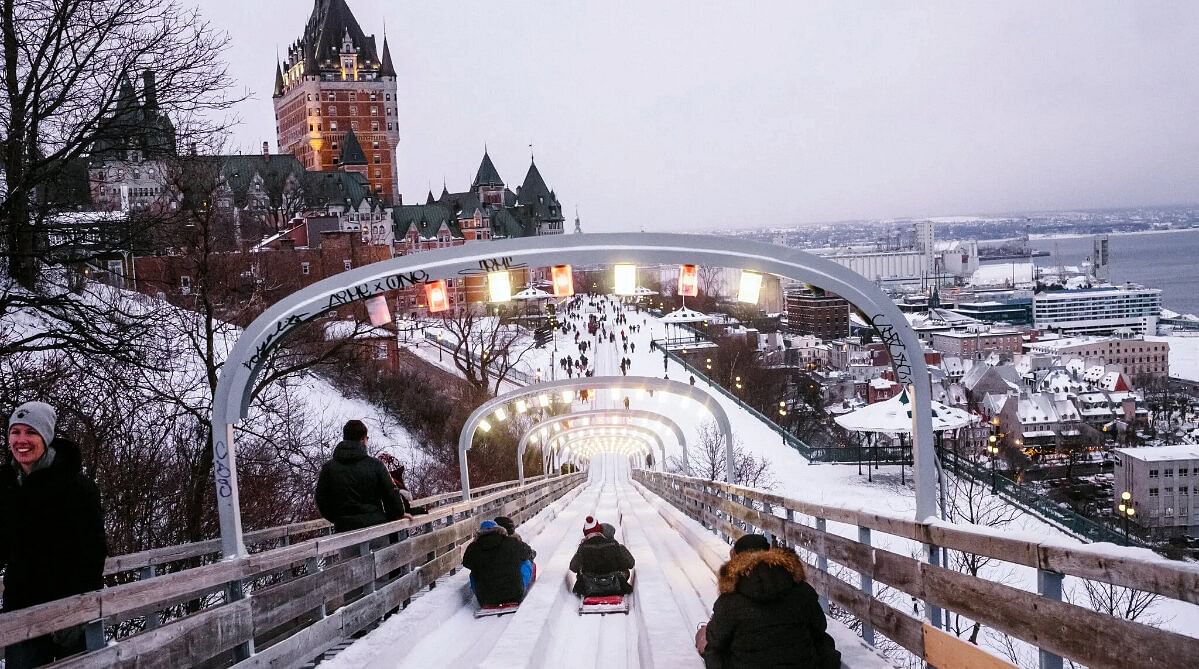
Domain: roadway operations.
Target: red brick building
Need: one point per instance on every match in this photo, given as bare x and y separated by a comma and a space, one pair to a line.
815, 312
336, 81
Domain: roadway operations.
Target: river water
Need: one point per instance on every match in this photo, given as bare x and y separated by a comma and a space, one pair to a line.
1166, 260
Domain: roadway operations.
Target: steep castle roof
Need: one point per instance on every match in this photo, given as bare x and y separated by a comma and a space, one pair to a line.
537, 197
387, 69
351, 150
487, 174
426, 219
330, 22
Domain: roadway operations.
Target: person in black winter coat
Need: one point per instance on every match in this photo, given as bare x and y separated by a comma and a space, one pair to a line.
355, 490
52, 542
600, 555
766, 615
501, 567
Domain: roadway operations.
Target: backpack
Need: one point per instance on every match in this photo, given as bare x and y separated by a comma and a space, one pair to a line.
600, 585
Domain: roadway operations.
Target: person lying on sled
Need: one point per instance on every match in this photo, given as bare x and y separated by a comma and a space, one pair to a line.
601, 562
501, 567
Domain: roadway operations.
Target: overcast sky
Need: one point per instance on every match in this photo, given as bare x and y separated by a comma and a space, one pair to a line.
673, 115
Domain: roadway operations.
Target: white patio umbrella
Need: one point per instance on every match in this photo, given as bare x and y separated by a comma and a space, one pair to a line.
684, 315
532, 293
894, 416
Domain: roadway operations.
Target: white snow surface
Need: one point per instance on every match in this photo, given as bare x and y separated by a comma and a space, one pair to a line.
836, 485
675, 587
1184, 355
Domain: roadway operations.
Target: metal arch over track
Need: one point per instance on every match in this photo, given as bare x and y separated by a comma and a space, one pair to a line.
578, 452
634, 414
246, 359
631, 383
642, 433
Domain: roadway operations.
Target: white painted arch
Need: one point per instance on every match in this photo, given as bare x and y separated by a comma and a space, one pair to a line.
245, 361
641, 433
574, 385
572, 440
621, 413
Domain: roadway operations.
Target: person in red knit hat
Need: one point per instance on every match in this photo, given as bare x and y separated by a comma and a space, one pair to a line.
601, 562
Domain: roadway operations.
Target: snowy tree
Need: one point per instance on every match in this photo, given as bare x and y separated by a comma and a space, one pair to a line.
708, 460
486, 348
66, 64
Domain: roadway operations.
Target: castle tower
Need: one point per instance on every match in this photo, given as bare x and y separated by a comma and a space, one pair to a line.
335, 81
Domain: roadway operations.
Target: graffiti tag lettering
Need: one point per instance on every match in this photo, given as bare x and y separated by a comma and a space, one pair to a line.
493, 265
899, 353
221, 471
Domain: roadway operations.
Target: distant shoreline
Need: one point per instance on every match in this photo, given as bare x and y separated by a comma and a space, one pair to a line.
1080, 235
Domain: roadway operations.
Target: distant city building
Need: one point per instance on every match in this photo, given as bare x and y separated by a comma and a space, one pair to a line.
1140, 359
335, 98
925, 259
1162, 482
1012, 309
1098, 310
979, 342
815, 312
1100, 258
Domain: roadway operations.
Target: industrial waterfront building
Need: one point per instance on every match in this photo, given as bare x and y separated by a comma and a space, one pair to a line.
1095, 311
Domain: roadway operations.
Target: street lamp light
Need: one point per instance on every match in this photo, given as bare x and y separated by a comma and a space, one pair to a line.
782, 418
993, 450
1126, 511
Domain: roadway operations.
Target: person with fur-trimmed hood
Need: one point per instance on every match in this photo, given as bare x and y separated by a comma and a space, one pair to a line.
501, 567
601, 562
766, 615
52, 542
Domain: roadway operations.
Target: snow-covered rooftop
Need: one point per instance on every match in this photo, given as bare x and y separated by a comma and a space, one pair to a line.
1162, 453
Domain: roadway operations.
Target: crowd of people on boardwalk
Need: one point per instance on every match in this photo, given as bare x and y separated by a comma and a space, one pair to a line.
597, 320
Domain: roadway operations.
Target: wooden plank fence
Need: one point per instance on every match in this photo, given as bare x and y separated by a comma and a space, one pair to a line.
280, 606
1058, 628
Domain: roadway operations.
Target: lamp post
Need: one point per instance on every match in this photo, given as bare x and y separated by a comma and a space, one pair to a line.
993, 451
782, 418
1126, 511
708, 365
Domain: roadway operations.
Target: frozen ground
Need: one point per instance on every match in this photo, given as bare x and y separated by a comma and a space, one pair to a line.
1184, 355
675, 587
839, 485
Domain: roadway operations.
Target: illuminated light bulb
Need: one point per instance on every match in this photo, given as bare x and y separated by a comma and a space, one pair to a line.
500, 414
688, 280
625, 279
499, 286
436, 296
484, 426
521, 406
751, 287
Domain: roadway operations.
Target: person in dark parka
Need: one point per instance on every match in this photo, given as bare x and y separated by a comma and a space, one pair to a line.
600, 555
52, 542
766, 615
501, 567
354, 489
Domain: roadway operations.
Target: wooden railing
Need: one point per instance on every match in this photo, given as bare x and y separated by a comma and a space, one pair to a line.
1041, 619
149, 562
277, 607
